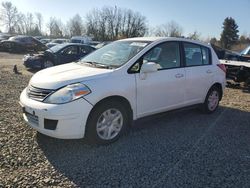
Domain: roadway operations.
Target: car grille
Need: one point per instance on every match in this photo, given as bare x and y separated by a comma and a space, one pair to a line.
38, 94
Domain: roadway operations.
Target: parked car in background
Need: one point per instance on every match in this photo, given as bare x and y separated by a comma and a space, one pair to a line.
55, 42
45, 41
225, 54
94, 43
22, 43
81, 39
100, 45
99, 96
38, 37
232, 55
245, 54
59, 54
4, 36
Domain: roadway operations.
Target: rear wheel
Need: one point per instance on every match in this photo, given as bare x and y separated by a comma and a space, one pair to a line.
107, 122
212, 100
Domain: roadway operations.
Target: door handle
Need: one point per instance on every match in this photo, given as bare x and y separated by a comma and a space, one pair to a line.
209, 71
179, 75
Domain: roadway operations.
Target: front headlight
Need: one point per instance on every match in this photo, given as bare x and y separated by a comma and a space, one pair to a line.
68, 93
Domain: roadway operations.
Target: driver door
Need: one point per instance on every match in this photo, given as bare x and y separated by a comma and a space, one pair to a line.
164, 89
69, 54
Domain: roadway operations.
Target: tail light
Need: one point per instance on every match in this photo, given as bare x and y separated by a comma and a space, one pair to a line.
222, 67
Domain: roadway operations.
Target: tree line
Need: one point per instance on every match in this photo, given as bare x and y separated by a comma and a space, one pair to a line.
107, 24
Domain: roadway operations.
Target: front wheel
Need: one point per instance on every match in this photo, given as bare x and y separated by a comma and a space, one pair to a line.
212, 100
107, 122
47, 64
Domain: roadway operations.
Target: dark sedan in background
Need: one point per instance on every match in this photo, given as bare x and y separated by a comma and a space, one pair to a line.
22, 43
4, 36
232, 55
59, 54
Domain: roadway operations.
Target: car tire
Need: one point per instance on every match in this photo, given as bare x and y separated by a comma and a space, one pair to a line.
47, 64
212, 100
107, 122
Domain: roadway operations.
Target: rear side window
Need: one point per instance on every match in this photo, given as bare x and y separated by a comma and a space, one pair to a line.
196, 55
85, 49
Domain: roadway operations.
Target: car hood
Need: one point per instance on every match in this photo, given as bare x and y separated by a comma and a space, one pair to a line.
59, 76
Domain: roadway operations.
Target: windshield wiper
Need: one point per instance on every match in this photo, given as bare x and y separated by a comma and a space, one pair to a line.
99, 65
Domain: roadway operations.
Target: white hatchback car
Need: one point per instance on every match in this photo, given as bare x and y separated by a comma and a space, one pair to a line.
99, 96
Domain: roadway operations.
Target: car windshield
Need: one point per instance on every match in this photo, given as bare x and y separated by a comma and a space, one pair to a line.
115, 54
15, 38
245, 51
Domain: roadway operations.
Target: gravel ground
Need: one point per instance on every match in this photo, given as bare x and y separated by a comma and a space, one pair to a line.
182, 148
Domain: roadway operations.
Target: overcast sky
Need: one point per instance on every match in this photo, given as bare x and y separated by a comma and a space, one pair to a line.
204, 16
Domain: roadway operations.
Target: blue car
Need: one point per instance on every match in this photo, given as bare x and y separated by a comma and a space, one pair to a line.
57, 55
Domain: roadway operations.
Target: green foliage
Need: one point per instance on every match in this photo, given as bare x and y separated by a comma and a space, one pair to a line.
229, 35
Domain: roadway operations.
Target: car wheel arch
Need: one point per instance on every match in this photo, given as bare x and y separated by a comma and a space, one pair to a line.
118, 98
219, 87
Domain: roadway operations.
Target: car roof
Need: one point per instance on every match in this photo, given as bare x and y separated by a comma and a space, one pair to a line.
159, 39
71, 44
21, 36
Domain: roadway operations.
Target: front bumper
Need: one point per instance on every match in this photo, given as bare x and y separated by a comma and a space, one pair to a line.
31, 62
70, 118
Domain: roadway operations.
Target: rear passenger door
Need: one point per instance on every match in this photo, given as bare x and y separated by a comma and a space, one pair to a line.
199, 72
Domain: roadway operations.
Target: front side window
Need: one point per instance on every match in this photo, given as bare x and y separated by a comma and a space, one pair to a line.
166, 55
72, 50
196, 55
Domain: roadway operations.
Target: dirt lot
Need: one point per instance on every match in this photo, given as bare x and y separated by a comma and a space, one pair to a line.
183, 148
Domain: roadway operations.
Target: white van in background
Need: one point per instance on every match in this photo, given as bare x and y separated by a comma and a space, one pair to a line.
81, 39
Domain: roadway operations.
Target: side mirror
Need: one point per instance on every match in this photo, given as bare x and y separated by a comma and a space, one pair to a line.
149, 67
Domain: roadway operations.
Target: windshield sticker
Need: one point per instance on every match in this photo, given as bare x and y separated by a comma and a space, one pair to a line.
139, 44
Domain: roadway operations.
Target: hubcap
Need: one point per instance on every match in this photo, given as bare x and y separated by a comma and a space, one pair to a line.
109, 124
48, 64
213, 100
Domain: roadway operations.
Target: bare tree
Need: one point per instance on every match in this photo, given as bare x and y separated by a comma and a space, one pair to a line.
39, 21
194, 36
29, 22
55, 27
111, 23
21, 26
75, 26
171, 29
9, 16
